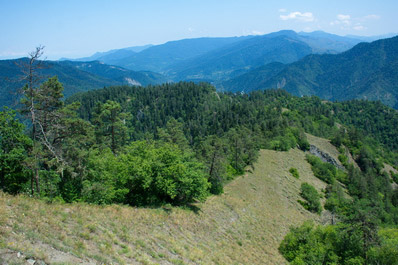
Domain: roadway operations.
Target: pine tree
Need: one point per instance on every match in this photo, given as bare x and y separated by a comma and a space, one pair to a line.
111, 128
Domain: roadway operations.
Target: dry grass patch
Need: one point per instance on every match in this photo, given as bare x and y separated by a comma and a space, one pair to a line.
324, 145
243, 226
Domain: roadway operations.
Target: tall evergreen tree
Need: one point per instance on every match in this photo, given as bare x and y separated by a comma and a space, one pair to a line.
111, 127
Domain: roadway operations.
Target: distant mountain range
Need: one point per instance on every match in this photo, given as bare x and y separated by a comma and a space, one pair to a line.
236, 58
367, 71
110, 55
317, 63
75, 76
160, 58
217, 59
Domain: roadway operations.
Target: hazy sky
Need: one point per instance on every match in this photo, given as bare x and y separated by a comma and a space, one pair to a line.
77, 28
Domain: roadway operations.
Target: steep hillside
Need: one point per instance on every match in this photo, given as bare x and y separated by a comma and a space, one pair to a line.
119, 74
244, 225
323, 42
248, 81
75, 76
367, 71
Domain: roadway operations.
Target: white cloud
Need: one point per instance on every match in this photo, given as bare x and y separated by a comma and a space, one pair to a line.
343, 17
305, 17
368, 17
344, 20
347, 20
282, 10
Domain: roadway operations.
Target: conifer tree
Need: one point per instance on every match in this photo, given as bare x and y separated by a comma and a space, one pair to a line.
111, 128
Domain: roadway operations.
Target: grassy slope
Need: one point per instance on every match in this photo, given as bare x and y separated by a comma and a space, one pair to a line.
243, 226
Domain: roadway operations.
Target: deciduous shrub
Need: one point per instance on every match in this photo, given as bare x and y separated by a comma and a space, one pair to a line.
311, 196
294, 172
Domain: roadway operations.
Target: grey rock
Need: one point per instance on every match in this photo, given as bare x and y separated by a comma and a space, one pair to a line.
325, 157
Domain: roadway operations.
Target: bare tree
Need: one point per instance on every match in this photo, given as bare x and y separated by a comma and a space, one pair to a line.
32, 77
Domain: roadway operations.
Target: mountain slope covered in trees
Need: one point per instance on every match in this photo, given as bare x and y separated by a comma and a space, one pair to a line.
175, 145
76, 77
367, 71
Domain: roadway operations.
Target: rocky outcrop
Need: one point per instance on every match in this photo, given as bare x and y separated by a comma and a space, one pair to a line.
325, 157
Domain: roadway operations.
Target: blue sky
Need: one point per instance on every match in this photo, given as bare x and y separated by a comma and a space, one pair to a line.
77, 28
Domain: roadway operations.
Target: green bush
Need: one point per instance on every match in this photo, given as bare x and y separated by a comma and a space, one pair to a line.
324, 171
162, 174
387, 251
144, 174
104, 183
301, 138
336, 201
283, 143
311, 196
337, 140
310, 245
394, 177
294, 172
343, 159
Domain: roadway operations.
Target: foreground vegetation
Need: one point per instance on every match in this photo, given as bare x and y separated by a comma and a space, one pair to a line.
244, 225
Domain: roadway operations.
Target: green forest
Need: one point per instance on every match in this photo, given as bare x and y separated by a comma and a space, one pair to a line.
178, 143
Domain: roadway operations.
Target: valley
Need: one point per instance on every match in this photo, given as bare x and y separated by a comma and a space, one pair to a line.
247, 132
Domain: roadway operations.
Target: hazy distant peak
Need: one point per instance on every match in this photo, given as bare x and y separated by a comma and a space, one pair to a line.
285, 32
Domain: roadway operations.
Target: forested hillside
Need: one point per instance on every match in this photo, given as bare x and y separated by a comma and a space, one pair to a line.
176, 144
75, 76
367, 71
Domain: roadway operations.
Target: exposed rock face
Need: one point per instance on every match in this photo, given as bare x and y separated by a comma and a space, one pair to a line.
325, 157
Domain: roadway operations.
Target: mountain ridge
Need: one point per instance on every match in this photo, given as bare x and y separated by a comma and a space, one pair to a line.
367, 71
284, 46
178, 58
75, 76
